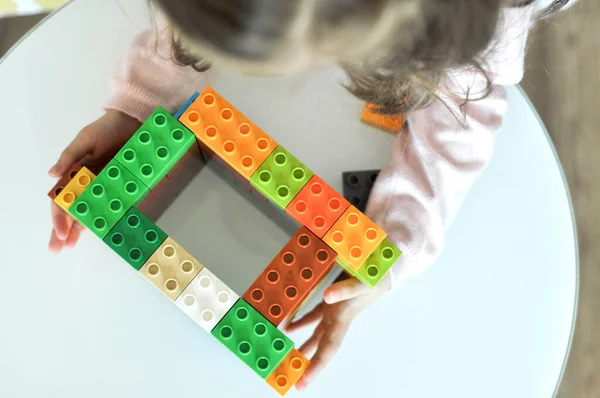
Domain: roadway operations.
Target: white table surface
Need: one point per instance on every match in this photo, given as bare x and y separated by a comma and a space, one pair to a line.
493, 317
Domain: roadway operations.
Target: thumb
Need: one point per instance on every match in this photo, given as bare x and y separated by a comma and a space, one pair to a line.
345, 290
72, 154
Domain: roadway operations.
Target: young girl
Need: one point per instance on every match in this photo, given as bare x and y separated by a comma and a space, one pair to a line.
441, 62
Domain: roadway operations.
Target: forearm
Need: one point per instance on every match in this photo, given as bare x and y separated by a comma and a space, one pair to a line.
147, 77
434, 162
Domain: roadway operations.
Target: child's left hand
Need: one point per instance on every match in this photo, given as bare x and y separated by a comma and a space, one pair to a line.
343, 301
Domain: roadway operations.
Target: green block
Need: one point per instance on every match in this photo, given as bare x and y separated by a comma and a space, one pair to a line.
254, 339
108, 198
376, 265
280, 177
156, 147
135, 238
349, 270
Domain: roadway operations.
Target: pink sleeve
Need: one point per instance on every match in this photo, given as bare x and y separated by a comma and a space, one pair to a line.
443, 149
146, 77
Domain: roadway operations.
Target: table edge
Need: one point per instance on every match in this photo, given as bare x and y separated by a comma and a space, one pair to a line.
575, 235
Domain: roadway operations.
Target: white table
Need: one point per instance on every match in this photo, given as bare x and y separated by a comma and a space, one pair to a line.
493, 318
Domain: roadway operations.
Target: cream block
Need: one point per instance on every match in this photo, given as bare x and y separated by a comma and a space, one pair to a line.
171, 268
206, 299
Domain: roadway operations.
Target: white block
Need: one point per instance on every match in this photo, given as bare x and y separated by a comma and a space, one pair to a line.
206, 299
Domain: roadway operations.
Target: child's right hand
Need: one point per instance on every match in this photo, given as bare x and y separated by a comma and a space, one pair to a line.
95, 145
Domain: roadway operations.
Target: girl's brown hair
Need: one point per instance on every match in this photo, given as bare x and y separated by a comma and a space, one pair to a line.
395, 52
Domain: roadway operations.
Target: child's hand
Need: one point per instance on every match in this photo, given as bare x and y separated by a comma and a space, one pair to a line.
95, 145
343, 301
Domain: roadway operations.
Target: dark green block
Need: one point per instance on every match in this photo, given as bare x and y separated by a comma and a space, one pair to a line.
108, 198
280, 177
135, 238
156, 147
251, 337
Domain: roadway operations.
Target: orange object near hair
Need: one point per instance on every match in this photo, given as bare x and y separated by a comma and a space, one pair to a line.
390, 123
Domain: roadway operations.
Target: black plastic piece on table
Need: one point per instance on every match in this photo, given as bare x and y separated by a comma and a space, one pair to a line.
357, 186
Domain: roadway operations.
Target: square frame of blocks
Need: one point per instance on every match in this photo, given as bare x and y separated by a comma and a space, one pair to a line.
331, 229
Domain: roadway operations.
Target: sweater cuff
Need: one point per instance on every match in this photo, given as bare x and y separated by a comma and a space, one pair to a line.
134, 102
401, 270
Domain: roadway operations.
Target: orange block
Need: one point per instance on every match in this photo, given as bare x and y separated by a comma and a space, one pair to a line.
227, 132
354, 237
290, 277
63, 181
389, 123
288, 372
317, 206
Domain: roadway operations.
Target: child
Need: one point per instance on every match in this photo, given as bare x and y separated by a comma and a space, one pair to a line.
442, 62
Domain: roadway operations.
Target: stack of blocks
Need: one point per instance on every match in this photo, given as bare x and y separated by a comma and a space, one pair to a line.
331, 230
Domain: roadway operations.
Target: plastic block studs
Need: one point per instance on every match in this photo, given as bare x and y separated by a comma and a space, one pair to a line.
206, 299
358, 185
291, 276
390, 123
171, 268
281, 177
288, 372
108, 198
63, 181
378, 263
354, 237
135, 238
252, 338
227, 132
67, 196
317, 206
155, 148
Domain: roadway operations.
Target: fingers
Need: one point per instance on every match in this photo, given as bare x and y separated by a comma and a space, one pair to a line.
76, 150
76, 231
55, 245
329, 344
309, 348
309, 319
61, 220
345, 290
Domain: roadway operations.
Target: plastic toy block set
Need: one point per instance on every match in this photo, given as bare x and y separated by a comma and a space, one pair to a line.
332, 230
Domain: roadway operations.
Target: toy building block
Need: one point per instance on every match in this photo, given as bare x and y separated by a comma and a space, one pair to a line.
390, 123
171, 268
67, 196
377, 265
288, 372
252, 338
206, 299
185, 106
155, 148
173, 184
358, 185
135, 238
281, 177
227, 132
354, 237
108, 198
290, 277
317, 206
64, 180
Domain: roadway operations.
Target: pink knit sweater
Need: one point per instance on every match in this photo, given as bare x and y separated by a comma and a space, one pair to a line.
433, 162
